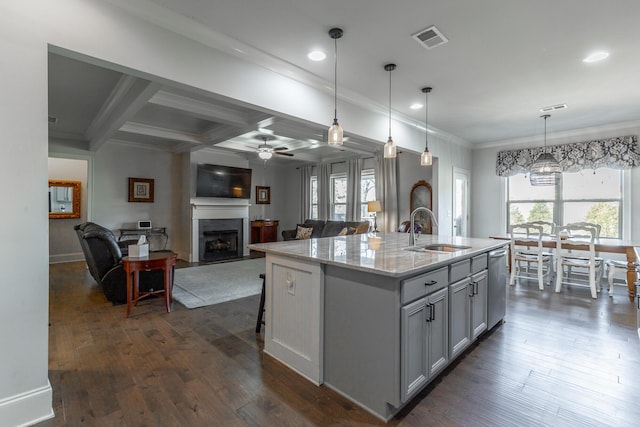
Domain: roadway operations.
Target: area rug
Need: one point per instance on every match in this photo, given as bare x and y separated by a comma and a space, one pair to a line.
215, 283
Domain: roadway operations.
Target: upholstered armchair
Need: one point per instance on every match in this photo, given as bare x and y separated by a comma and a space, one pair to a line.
104, 259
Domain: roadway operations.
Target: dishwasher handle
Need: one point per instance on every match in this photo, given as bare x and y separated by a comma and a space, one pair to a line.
498, 253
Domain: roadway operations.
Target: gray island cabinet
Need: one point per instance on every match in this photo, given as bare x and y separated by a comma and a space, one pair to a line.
366, 317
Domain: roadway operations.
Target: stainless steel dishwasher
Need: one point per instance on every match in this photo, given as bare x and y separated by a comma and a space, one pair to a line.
497, 283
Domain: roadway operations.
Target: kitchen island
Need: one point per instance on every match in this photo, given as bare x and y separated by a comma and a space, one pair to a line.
367, 317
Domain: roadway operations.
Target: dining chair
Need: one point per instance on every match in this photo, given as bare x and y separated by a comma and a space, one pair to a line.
527, 250
569, 237
598, 260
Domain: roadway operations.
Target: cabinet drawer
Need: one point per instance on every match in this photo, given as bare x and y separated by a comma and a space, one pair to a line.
459, 270
423, 284
478, 263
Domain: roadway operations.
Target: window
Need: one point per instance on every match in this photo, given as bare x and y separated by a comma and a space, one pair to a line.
339, 195
314, 197
367, 191
592, 196
338, 208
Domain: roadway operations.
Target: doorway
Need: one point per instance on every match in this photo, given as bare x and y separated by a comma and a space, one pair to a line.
460, 203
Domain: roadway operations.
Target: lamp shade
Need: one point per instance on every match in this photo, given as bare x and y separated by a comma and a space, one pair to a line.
545, 170
374, 206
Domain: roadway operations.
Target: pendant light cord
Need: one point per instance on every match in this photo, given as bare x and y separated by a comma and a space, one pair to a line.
335, 80
390, 104
545, 117
426, 120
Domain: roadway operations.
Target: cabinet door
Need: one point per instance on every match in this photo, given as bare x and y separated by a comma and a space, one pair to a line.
414, 327
479, 304
459, 317
438, 337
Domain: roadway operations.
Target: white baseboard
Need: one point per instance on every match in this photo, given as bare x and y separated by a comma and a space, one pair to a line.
55, 259
27, 408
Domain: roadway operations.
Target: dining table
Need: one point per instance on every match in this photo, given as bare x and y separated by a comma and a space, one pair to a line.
630, 248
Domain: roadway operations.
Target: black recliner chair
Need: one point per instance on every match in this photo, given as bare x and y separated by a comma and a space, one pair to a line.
104, 259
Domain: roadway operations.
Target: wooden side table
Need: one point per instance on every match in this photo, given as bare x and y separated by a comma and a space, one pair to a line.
164, 261
264, 231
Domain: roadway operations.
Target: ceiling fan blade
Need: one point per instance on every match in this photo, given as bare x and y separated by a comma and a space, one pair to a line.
283, 154
280, 148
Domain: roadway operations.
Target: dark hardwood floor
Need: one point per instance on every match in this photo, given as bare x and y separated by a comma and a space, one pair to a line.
560, 359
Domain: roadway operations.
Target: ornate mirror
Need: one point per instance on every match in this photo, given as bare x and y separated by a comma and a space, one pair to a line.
421, 195
64, 199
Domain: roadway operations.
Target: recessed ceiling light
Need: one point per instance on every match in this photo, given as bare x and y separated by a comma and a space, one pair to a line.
316, 55
596, 56
416, 106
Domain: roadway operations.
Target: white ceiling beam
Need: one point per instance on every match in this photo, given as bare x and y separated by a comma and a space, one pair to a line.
129, 104
116, 96
201, 109
163, 133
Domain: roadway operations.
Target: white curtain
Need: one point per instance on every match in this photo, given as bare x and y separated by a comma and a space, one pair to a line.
305, 192
324, 190
387, 192
354, 170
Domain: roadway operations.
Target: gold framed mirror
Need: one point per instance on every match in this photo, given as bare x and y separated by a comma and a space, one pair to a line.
64, 199
421, 195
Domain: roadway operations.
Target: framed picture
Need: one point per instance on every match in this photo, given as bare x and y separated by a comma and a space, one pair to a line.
263, 195
141, 190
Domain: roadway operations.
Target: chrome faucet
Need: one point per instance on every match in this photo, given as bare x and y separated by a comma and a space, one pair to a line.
412, 238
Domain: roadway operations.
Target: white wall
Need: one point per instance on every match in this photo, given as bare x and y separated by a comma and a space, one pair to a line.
488, 198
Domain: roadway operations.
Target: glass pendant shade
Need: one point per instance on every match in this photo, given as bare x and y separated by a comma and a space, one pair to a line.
389, 149
426, 158
335, 133
334, 138
545, 170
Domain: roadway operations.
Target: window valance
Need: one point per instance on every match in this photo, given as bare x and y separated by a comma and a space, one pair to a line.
617, 153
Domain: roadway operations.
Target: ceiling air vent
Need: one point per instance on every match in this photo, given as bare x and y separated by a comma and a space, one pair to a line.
430, 37
53, 120
553, 108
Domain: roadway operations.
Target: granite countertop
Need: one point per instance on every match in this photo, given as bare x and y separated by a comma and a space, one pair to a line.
380, 253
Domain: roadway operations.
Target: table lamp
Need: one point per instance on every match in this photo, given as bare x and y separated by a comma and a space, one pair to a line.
374, 206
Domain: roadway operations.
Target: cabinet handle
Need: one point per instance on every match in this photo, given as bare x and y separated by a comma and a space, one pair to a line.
470, 285
432, 313
475, 288
430, 283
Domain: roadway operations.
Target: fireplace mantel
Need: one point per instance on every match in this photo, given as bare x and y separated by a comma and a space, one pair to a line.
213, 208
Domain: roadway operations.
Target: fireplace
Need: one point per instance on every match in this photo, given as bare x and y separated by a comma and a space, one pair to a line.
220, 239
218, 215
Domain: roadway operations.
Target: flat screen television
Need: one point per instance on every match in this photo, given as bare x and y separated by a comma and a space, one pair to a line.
223, 181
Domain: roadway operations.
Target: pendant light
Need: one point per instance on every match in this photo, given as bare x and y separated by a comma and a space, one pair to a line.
545, 170
426, 159
335, 131
390, 147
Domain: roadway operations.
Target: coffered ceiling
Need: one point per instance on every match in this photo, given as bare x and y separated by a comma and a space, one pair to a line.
504, 60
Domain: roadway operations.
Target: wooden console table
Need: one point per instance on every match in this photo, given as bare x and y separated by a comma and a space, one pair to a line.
164, 261
264, 231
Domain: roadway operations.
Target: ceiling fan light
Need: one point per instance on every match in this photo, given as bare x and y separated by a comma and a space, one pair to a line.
389, 149
265, 154
426, 159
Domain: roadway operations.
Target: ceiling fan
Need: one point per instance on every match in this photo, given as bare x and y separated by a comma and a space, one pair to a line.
265, 151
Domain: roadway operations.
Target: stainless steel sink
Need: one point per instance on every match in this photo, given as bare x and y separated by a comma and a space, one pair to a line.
437, 247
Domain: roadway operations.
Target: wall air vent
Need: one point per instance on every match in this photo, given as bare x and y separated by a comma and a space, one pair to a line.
553, 108
430, 37
53, 120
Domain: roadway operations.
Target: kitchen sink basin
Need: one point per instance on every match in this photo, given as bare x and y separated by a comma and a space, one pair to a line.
437, 247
